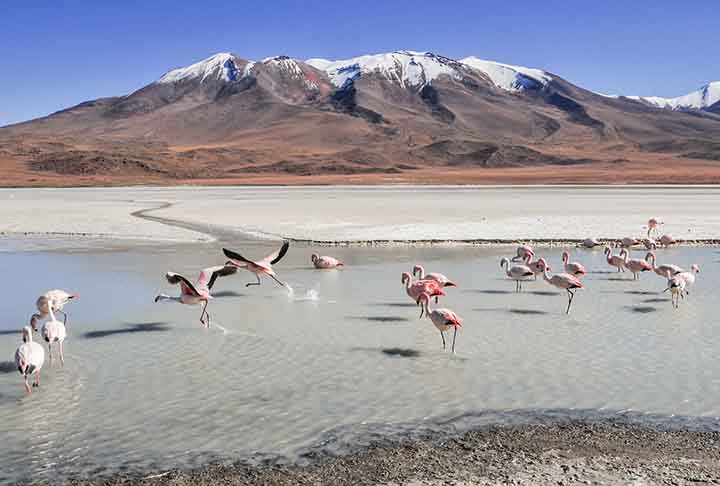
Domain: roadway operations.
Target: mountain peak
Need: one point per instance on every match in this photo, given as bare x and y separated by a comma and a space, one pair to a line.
219, 66
703, 98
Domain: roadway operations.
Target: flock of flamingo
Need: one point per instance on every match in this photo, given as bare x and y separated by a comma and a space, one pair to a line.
419, 286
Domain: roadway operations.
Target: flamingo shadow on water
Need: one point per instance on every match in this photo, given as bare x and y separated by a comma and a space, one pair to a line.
641, 309
381, 318
521, 312
393, 304
393, 352
8, 366
490, 291
129, 329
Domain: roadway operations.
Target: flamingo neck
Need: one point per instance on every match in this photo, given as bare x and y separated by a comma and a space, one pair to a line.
421, 272
50, 311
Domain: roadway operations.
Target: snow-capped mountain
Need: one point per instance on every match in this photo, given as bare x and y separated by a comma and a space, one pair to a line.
407, 68
702, 99
508, 77
221, 67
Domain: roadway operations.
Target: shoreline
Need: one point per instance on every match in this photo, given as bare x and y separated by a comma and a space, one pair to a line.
571, 451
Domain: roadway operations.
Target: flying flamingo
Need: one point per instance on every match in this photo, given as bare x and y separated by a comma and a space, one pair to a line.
29, 358
260, 267
563, 281
58, 298
414, 289
614, 260
524, 252
53, 331
634, 265
677, 287
662, 270
443, 319
198, 294
519, 273
325, 262
573, 268
652, 226
419, 272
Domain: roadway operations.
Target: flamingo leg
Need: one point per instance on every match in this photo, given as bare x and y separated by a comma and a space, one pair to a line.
571, 295
203, 314
282, 284
454, 336
254, 283
443, 339
62, 356
50, 355
37, 379
422, 310
27, 385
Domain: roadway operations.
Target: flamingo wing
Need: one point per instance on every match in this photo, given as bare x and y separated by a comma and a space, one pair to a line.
276, 256
450, 317
236, 257
571, 280
185, 285
209, 275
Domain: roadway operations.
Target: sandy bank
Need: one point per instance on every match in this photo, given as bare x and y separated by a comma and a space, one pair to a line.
353, 213
555, 453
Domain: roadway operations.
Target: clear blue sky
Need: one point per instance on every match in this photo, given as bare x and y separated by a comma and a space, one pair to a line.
56, 54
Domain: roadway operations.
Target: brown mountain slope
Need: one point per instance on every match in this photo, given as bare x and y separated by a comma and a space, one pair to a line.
408, 117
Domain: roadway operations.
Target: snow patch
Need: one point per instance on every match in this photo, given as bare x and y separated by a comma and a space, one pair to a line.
508, 77
220, 66
705, 97
406, 68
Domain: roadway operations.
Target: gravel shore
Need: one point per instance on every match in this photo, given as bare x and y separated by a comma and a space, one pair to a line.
574, 452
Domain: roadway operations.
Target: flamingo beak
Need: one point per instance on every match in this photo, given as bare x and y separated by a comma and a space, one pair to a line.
74, 296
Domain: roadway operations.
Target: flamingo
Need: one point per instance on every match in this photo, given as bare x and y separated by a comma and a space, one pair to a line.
662, 270
534, 267
29, 358
198, 294
563, 281
628, 242
590, 243
667, 240
53, 331
443, 319
652, 225
58, 298
419, 271
649, 244
523, 253
260, 267
677, 287
573, 268
325, 262
614, 260
414, 289
689, 277
519, 273
634, 265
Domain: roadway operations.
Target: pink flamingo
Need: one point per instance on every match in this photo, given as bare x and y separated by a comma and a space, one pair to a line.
689, 277
198, 294
652, 226
325, 262
563, 281
443, 319
29, 358
524, 252
614, 260
519, 273
628, 242
590, 243
662, 270
419, 272
634, 265
649, 244
260, 267
667, 240
677, 287
415, 289
53, 331
573, 268
58, 298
